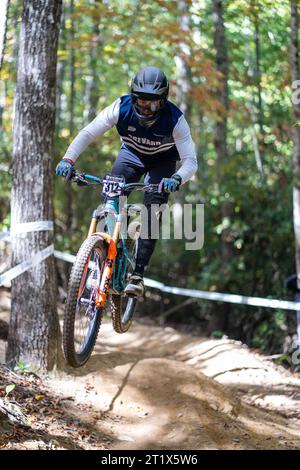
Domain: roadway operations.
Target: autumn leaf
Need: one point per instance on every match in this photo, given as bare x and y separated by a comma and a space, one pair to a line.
39, 397
8, 389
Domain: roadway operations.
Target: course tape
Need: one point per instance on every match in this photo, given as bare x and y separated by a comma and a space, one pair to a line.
37, 226
64, 256
216, 296
221, 297
26, 265
193, 293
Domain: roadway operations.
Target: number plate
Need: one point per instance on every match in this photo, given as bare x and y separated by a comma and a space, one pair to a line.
113, 186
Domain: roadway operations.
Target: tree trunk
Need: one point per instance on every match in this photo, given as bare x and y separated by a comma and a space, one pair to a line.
72, 70
3, 29
296, 133
68, 187
4, 5
258, 76
92, 85
184, 76
258, 137
201, 148
219, 319
61, 69
34, 328
183, 70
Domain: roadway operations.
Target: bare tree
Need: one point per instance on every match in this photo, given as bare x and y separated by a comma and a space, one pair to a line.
181, 59
184, 75
256, 106
70, 219
61, 72
4, 5
93, 82
219, 320
34, 328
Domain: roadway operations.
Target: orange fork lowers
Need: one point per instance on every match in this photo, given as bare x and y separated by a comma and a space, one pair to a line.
107, 270
110, 259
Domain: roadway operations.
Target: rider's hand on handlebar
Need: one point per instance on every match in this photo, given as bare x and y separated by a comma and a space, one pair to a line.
64, 167
169, 185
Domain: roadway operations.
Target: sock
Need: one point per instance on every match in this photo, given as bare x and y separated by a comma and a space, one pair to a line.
139, 269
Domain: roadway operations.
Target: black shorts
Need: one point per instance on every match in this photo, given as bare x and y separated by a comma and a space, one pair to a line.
154, 168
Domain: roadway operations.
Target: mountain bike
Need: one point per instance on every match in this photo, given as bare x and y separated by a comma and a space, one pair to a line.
103, 264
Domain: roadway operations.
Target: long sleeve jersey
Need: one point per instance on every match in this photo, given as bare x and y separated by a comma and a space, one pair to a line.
168, 134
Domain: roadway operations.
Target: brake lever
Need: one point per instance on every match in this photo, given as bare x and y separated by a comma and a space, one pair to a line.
69, 175
82, 183
151, 188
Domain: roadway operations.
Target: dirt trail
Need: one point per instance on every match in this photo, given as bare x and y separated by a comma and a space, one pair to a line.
156, 388
151, 380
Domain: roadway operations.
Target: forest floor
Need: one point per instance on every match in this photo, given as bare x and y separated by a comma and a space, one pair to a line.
153, 388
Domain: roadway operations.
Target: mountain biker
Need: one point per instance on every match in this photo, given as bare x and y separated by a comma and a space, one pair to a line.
154, 136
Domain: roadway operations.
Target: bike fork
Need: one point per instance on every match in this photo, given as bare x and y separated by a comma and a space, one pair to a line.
93, 226
109, 262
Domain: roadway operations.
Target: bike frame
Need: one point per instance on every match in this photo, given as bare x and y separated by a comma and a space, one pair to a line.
111, 278
112, 252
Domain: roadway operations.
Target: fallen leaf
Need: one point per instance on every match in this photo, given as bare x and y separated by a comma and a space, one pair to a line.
39, 397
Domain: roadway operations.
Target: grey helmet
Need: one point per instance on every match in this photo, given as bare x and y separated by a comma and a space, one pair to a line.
150, 83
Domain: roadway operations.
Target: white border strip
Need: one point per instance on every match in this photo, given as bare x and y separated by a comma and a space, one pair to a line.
26, 265
220, 297
37, 226
64, 256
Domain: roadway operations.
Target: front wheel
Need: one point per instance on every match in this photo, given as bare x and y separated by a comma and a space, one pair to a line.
82, 318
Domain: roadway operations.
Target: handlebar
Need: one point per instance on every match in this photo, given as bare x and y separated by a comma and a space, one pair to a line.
83, 179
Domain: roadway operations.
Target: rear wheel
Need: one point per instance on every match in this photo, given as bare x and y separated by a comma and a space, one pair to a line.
82, 318
123, 307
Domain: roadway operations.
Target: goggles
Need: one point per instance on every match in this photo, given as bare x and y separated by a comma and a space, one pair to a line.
148, 107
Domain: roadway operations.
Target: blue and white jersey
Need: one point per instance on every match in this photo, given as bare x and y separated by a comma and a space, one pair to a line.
148, 141
167, 137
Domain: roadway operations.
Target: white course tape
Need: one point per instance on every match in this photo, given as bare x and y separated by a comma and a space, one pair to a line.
220, 297
5, 236
37, 226
26, 265
64, 256
69, 258
198, 294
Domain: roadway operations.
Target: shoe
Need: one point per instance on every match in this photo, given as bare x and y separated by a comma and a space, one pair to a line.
135, 286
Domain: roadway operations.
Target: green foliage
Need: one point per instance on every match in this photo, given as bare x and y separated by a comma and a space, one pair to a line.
268, 333
22, 368
217, 334
8, 389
